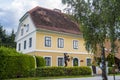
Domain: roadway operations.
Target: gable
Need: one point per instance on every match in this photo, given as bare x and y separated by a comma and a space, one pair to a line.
25, 27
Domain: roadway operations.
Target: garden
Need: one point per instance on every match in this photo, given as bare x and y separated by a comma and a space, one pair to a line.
17, 65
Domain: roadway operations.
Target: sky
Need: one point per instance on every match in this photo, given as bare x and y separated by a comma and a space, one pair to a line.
12, 10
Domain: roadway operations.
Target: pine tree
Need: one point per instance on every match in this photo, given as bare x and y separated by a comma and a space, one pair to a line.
6, 39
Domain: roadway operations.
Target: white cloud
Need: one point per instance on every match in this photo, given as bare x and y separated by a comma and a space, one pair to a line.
12, 12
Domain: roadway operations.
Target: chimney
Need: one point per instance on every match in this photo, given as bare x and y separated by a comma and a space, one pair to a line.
57, 10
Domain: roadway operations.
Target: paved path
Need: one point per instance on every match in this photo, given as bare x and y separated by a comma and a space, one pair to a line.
91, 78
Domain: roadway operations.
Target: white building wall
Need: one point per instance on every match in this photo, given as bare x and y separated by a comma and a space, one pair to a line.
26, 35
28, 49
26, 21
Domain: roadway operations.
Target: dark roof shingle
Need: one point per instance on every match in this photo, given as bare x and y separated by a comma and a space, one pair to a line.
52, 20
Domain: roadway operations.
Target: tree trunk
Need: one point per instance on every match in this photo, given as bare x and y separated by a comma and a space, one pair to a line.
104, 74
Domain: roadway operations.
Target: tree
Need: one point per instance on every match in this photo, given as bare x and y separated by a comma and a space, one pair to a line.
12, 42
99, 20
2, 35
7, 40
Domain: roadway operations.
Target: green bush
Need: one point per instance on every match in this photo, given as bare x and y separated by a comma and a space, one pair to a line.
62, 71
110, 70
32, 73
40, 61
14, 64
8, 52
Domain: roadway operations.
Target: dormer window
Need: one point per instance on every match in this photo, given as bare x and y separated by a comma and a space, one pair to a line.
27, 27
22, 30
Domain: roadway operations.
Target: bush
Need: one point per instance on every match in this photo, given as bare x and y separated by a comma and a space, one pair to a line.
14, 64
8, 52
110, 70
62, 71
40, 61
32, 73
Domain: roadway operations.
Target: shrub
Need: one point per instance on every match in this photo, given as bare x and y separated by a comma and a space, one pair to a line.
40, 61
8, 52
110, 70
32, 73
14, 64
62, 71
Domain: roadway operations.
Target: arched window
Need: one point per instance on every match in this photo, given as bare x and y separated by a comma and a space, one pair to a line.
75, 62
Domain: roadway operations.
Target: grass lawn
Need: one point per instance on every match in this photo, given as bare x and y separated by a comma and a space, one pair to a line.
44, 78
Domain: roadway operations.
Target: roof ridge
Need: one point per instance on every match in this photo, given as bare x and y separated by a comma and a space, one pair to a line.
38, 7
35, 8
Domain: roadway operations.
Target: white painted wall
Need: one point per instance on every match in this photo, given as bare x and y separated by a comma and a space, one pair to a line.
26, 35
32, 28
28, 49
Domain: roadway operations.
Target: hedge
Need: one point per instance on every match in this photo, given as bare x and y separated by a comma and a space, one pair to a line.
62, 71
111, 70
40, 61
14, 64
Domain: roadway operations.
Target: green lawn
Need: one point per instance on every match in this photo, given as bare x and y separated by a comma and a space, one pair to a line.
44, 78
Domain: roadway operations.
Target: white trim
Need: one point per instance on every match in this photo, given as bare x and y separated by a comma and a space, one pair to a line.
57, 60
44, 41
26, 35
34, 41
56, 51
73, 44
59, 33
50, 57
78, 61
24, 17
63, 42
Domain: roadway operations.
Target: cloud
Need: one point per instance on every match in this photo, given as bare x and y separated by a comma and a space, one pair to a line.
11, 12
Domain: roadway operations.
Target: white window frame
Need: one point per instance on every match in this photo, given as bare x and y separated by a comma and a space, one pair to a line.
19, 46
75, 44
22, 31
49, 41
86, 61
25, 44
30, 42
50, 61
27, 27
60, 42
60, 57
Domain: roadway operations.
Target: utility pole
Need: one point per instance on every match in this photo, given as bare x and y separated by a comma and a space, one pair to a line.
104, 74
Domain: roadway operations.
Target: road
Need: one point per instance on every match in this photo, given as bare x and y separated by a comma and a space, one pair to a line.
91, 78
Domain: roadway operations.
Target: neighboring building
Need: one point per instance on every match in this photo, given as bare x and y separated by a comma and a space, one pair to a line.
50, 34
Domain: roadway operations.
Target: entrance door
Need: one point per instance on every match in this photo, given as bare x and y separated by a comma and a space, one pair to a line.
75, 62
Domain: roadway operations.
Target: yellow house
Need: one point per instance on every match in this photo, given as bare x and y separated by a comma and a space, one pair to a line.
50, 34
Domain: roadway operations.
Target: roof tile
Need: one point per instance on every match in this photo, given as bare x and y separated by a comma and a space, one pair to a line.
52, 20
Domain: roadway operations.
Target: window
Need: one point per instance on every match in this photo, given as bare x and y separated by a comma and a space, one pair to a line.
88, 61
27, 27
60, 61
25, 44
19, 47
22, 30
48, 61
75, 44
75, 62
60, 43
30, 42
47, 41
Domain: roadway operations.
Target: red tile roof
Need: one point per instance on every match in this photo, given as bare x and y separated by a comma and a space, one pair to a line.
52, 20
